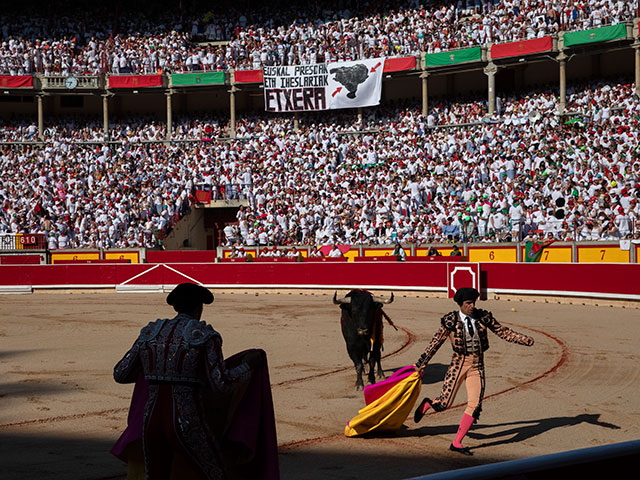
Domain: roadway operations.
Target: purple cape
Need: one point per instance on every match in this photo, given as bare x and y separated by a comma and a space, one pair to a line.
252, 427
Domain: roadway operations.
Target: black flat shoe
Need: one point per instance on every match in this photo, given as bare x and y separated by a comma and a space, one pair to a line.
417, 416
463, 450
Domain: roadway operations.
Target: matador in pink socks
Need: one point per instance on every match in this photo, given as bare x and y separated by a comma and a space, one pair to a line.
466, 329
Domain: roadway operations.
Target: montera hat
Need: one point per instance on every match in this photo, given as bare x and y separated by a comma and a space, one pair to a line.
187, 295
465, 293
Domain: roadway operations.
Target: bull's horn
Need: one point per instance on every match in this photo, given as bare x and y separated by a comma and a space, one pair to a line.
341, 300
382, 300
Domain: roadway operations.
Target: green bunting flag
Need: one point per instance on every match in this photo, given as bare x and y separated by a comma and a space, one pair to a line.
533, 250
595, 35
191, 79
452, 57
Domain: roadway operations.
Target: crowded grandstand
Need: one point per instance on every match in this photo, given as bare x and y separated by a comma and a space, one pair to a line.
278, 33
464, 170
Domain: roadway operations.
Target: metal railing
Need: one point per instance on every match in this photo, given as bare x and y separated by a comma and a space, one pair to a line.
20, 144
59, 82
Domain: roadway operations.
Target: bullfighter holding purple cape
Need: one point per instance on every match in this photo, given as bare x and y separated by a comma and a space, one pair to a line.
193, 414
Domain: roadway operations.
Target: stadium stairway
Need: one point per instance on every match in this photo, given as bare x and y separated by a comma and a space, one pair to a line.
188, 232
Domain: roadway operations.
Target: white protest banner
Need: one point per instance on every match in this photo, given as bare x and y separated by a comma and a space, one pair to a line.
355, 84
295, 88
303, 88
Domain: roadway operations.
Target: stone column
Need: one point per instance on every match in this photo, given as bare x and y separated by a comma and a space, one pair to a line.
636, 47
490, 71
425, 93
40, 117
169, 115
105, 116
562, 101
232, 111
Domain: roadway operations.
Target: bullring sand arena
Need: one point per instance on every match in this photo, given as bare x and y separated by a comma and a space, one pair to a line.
61, 411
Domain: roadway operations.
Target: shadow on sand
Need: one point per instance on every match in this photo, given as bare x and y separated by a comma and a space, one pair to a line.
49, 457
508, 433
45, 456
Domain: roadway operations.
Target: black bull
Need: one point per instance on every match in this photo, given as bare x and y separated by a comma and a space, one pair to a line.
361, 324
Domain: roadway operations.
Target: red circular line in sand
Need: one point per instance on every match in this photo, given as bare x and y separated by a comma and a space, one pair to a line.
563, 358
290, 445
64, 417
411, 338
409, 341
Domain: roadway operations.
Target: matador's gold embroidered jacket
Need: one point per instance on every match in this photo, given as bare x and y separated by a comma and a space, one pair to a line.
452, 328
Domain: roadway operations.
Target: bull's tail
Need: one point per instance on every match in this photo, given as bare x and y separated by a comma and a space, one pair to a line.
388, 319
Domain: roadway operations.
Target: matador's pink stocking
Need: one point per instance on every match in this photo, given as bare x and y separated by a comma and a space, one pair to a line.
465, 425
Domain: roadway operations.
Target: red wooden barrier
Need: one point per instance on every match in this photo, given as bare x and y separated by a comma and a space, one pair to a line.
432, 276
592, 280
606, 280
20, 259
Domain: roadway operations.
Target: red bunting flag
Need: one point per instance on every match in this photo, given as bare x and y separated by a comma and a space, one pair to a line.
134, 81
248, 76
16, 81
399, 64
522, 47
